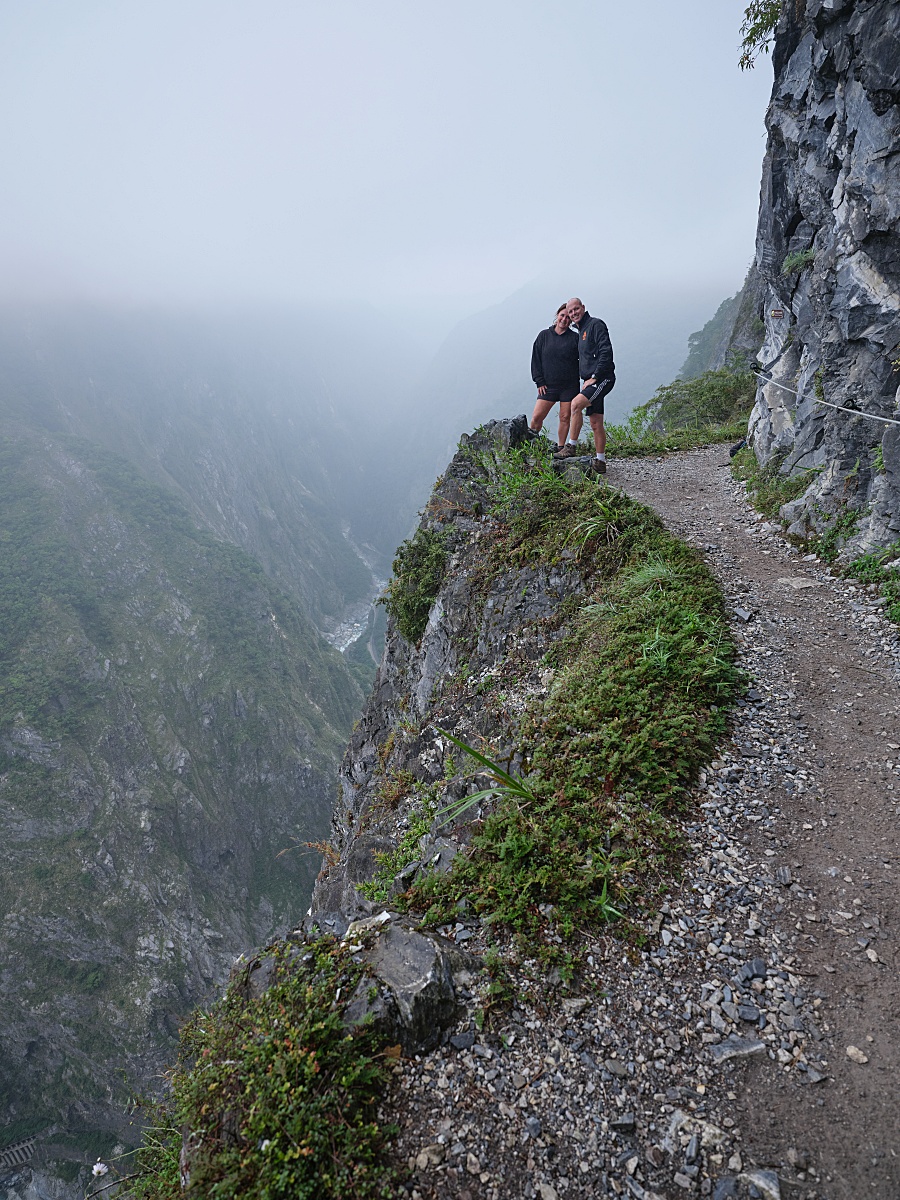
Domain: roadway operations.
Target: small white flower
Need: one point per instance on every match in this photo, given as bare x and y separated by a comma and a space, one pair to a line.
100, 1168
265, 1144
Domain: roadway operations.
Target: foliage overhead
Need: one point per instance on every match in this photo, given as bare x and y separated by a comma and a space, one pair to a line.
758, 30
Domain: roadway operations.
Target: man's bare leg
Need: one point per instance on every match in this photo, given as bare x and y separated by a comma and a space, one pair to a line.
599, 431
579, 404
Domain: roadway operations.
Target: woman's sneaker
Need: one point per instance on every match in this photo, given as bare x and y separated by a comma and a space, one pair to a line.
567, 451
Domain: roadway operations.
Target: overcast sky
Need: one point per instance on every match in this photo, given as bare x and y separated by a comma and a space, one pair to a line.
396, 151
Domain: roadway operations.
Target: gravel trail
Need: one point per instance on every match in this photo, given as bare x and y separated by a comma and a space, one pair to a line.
750, 1048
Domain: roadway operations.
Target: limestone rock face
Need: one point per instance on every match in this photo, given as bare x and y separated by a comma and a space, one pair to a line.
828, 250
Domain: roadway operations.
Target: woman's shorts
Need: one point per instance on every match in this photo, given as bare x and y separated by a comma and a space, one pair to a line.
565, 393
596, 393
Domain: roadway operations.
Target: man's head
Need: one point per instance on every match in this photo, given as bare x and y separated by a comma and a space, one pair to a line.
575, 309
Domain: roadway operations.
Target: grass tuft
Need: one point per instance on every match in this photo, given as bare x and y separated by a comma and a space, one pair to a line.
767, 488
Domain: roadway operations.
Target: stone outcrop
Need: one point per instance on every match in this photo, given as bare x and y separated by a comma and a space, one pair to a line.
828, 249
820, 307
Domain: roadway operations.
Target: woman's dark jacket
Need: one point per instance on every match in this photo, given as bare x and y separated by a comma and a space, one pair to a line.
554, 359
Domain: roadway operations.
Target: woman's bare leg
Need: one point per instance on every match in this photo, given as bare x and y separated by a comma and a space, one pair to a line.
565, 413
541, 411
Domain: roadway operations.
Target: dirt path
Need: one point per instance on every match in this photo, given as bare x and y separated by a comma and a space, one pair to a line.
836, 662
711, 1059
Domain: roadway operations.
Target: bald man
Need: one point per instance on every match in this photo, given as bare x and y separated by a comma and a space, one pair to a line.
597, 369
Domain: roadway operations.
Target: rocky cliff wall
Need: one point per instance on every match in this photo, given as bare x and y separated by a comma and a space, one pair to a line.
828, 249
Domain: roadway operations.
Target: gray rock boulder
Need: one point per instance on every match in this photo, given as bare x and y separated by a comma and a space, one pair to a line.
421, 980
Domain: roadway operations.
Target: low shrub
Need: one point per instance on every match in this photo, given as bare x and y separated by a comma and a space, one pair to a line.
278, 1097
767, 487
419, 566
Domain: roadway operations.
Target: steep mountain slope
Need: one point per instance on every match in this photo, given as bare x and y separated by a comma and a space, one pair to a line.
828, 249
735, 331
169, 723
248, 417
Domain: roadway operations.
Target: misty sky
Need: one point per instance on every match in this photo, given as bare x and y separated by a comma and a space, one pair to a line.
395, 151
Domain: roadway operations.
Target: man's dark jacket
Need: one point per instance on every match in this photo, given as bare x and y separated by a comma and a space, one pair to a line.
595, 352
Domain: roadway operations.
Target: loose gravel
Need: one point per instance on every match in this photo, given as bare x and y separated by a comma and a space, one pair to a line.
746, 1049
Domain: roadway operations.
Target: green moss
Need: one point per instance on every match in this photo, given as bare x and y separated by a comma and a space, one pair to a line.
418, 567
279, 1097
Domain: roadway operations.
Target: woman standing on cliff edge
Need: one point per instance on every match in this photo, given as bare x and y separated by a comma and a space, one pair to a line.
554, 368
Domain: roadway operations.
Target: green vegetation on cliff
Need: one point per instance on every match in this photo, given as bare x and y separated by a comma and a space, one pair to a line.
713, 407
419, 566
644, 678
276, 1097
643, 673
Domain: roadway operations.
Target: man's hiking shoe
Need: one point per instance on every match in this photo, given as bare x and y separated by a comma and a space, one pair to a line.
567, 451
598, 466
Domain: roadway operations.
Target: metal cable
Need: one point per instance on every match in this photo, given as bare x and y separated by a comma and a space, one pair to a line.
840, 408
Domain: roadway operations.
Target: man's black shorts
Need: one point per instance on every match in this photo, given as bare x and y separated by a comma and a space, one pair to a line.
596, 392
565, 393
